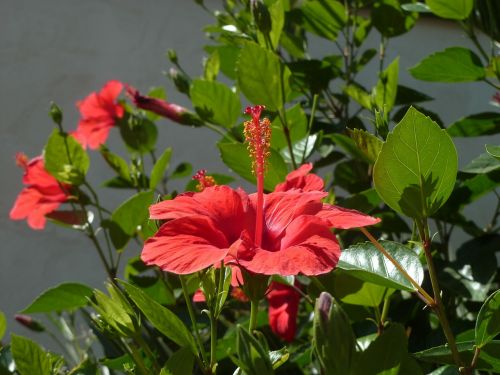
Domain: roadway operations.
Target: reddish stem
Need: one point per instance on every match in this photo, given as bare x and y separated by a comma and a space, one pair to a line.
259, 219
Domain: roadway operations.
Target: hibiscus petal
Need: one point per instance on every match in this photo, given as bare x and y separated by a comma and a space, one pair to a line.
186, 245
36, 174
280, 208
25, 202
111, 90
220, 203
308, 247
345, 218
283, 310
301, 179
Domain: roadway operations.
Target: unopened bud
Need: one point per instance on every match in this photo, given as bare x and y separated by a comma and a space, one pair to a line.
172, 56
56, 113
180, 80
29, 322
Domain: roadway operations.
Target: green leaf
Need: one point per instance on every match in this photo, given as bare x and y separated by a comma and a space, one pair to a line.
139, 134
277, 15
127, 218
349, 146
262, 77
416, 169
212, 66
279, 357
132, 212
334, 342
324, 18
159, 168
118, 164
29, 357
180, 363
390, 20
485, 123
3, 325
484, 163
235, 156
161, 318
367, 143
65, 159
351, 290
366, 262
451, 9
387, 87
65, 296
253, 358
488, 358
360, 95
493, 151
454, 64
182, 170
215, 102
297, 127
406, 96
386, 354
488, 320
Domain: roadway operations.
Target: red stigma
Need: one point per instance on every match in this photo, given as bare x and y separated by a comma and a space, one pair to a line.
204, 181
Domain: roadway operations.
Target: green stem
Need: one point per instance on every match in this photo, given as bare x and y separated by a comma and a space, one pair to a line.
377, 244
213, 343
140, 341
438, 303
309, 125
136, 356
286, 131
101, 218
193, 320
254, 310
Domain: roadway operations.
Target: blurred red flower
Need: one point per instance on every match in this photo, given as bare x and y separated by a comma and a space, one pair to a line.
99, 112
42, 194
283, 310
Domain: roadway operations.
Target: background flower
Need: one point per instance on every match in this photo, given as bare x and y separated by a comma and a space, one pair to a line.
99, 112
42, 194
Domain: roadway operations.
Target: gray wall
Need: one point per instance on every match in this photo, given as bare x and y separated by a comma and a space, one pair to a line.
63, 49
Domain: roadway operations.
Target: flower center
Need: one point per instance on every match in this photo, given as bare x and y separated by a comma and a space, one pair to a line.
204, 181
258, 137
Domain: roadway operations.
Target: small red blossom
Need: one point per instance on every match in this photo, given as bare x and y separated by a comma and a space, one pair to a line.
283, 303
42, 195
161, 107
99, 113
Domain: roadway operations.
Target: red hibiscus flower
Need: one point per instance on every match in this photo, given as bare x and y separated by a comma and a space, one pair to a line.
284, 232
41, 196
99, 112
283, 309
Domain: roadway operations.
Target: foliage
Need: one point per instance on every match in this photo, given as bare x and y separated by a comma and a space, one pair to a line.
406, 304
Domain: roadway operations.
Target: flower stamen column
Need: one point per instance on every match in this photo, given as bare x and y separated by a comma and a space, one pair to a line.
258, 136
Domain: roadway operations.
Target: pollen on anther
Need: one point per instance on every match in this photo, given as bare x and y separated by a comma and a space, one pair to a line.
258, 137
204, 181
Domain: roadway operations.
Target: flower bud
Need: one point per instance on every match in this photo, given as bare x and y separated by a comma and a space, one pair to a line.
29, 322
181, 81
55, 113
172, 56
